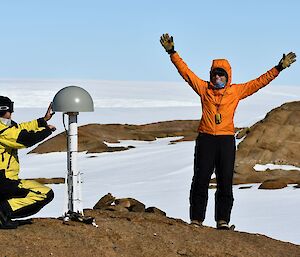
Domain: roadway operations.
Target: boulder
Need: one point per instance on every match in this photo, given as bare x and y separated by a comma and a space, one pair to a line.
275, 139
273, 184
155, 210
242, 132
105, 201
117, 208
125, 202
132, 204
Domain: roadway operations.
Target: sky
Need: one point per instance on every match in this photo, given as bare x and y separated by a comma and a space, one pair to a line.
119, 40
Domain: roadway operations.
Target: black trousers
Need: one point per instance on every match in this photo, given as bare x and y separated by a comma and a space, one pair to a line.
213, 154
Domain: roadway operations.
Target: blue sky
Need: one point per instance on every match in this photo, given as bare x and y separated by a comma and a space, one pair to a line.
119, 40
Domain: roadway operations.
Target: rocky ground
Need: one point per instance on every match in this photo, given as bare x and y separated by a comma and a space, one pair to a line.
135, 235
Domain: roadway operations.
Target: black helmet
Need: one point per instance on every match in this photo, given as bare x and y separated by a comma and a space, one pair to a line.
6, 105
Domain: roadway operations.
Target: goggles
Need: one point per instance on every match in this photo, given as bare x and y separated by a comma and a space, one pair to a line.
9, 107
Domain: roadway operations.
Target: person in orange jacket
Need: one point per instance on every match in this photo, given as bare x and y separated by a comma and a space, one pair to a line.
215, 144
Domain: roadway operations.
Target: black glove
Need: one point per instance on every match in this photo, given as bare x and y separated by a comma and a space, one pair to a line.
167, 43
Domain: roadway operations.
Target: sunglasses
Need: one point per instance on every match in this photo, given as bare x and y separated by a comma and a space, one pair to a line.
219, 73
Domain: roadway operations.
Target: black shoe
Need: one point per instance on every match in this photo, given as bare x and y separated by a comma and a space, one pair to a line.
196, 223
9, 225
222, 225
24, 222
6, 222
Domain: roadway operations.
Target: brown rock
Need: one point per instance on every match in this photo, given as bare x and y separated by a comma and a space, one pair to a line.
242, 132
273, 184
105, 201
132, 204
275, 139
49, 180
244, 168
117, 208
155, 210
125, 202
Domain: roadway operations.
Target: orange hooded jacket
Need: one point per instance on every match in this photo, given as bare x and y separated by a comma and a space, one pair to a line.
223, 101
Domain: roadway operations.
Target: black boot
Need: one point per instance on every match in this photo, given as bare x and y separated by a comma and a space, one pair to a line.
6, 222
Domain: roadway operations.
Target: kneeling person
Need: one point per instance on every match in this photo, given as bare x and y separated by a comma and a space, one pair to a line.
19, 198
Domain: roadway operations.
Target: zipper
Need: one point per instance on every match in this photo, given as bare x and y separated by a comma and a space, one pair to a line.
218, 106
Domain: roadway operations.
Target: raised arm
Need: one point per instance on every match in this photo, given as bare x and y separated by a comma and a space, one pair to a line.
27, 134
193, 80
248, 88
39, 123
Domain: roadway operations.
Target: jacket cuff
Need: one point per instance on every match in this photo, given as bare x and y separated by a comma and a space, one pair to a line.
172, 51
42, 123
279, 67
174, 56
48, 131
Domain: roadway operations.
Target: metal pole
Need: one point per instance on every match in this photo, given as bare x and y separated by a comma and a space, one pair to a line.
73, 177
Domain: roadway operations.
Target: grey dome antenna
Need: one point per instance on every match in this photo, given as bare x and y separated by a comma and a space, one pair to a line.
72, 100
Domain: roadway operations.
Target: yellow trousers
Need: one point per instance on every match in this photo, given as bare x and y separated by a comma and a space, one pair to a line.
25, 197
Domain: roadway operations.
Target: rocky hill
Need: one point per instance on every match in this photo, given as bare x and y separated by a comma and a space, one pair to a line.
275, 140
92, 137
130, 234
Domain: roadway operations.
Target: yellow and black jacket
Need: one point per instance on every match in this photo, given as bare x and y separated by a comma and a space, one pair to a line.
15, 137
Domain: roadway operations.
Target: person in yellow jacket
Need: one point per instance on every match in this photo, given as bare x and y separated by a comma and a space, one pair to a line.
19, 198
215, 144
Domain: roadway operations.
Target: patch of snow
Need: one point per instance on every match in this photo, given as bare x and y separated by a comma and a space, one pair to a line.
270, 166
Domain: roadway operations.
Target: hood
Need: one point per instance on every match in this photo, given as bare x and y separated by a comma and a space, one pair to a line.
223, 64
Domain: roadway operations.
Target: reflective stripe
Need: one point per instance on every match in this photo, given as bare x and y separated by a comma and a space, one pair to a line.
1, 131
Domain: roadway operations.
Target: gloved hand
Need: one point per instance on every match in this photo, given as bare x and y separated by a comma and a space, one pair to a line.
167, 43
286, 61
49, 113
51, 127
